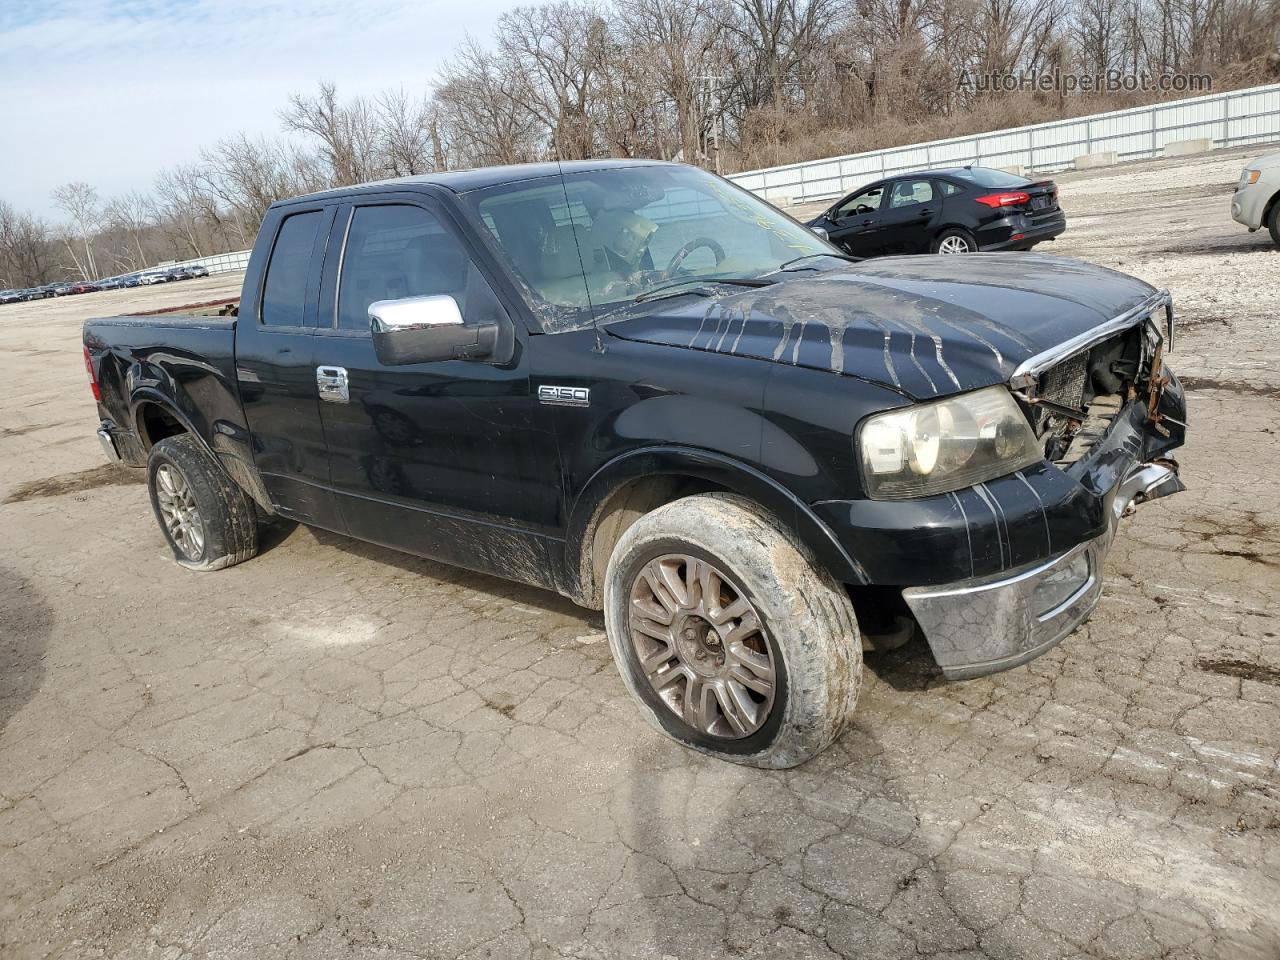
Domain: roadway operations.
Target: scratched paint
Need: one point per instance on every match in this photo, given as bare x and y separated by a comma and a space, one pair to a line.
923, 326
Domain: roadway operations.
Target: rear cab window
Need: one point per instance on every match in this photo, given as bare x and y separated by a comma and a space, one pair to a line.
285, 290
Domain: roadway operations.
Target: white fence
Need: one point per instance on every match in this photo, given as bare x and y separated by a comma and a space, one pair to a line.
218, 263
1228, 119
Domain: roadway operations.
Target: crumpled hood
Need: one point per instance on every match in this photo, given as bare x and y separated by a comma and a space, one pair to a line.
927, 326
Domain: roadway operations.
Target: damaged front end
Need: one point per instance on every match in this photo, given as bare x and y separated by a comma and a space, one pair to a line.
1108, 411
1073, 392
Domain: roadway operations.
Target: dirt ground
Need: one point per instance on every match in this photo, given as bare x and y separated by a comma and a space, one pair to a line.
337, 751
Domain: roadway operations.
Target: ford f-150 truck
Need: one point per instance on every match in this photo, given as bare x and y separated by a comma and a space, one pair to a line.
637, 385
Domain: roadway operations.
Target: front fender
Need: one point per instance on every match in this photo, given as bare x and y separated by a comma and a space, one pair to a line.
720, 470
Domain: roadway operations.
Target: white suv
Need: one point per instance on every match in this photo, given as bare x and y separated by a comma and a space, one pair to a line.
1256, 202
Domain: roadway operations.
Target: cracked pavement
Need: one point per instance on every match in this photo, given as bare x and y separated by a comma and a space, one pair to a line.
338, 751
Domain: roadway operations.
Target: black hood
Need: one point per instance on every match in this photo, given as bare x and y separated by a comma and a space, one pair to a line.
927, 326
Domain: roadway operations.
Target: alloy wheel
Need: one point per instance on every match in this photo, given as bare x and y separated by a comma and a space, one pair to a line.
954, 244
178, 507
702, 646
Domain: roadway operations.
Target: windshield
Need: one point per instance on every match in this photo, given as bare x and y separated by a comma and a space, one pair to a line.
588, 243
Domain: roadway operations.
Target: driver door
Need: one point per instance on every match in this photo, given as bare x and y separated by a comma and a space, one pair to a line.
449, 459
855, 222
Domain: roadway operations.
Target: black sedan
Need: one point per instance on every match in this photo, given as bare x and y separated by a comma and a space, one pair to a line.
958, 210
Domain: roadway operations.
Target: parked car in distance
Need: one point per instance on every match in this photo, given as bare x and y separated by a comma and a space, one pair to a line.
1256, 202
63, 289
956, 210
179, 273
84, 286
198, 270
11, 296
152, 277
642, 387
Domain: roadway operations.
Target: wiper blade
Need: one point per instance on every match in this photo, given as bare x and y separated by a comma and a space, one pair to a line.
810, 256
701, 287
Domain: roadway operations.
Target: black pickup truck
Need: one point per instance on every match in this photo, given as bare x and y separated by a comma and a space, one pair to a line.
637, 385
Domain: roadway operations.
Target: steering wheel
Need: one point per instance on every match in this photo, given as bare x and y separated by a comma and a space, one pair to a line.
688, 248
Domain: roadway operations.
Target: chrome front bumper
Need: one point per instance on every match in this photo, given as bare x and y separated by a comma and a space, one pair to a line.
983, 626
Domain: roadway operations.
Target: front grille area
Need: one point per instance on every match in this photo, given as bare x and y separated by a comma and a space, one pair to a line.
1062, 384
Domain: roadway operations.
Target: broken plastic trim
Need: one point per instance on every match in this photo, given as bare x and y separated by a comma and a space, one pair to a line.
1028, 372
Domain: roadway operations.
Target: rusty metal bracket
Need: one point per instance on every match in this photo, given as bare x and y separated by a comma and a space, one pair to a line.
1156, 384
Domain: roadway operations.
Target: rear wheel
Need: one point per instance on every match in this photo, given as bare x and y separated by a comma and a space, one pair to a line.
208, 521
954, 241
729, 635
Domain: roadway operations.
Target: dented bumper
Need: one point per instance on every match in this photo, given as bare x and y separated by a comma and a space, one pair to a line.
986, 625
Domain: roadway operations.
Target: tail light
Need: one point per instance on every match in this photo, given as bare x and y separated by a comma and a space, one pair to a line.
93, 381
997, 200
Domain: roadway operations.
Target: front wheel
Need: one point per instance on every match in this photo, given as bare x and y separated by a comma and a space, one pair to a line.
208, 521
1273, 223
954, 241
729, 635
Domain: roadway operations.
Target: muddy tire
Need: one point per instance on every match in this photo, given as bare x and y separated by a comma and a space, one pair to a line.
955, 241
729, 635
207, 520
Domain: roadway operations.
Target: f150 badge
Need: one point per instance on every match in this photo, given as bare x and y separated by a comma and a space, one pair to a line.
564, 396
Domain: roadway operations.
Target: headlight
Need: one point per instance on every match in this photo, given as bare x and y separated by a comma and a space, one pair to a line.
946, 445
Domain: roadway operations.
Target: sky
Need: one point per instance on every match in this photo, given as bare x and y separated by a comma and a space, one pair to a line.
113, 91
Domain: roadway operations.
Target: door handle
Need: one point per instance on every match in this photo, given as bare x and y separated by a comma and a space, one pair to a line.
926, 212
332, 384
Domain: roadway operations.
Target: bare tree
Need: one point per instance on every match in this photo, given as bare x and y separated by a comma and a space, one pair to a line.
679, 42
780, 39
26, 249
80, 202
406, 133
631, 114
481, 105
557, 51
347, 132
133, 215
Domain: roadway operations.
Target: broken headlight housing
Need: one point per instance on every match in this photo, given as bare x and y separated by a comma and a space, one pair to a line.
945, 445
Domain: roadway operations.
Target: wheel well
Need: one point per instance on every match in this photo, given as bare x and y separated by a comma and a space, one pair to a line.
617, 512
1271, 205
155, 423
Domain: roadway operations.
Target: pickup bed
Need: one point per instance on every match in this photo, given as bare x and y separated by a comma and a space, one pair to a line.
636, 385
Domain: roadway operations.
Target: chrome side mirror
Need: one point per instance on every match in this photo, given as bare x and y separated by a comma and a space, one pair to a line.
413, 313
822, 232
426, 329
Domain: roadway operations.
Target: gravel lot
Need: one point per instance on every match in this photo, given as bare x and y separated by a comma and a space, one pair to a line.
338, 751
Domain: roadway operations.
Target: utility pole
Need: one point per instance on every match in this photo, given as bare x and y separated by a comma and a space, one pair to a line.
717, 125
